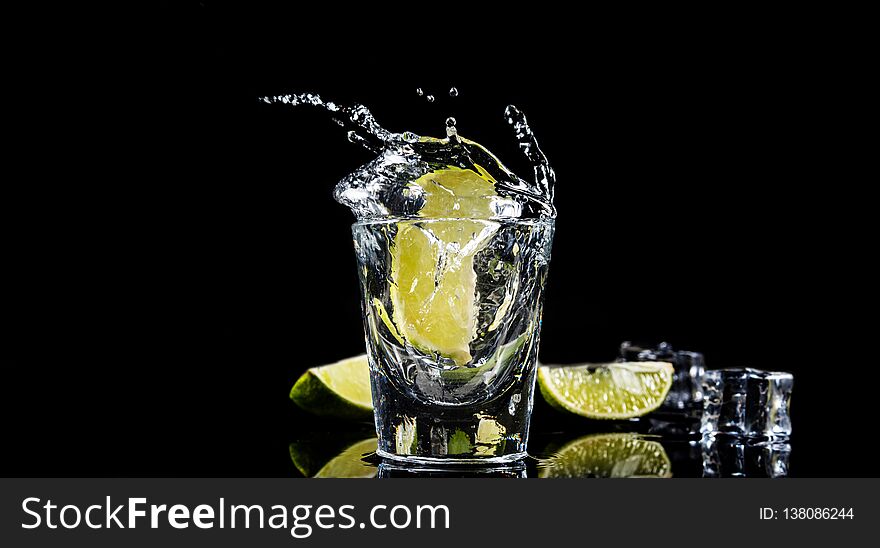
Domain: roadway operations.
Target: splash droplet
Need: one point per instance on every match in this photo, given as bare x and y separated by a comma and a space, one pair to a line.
451, 132
544, 174
404, 157
357, 139
453, 92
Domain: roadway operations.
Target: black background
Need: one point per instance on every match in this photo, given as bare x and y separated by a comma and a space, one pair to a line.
178, 259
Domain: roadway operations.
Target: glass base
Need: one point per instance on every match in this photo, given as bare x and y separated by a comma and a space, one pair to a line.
394, 468
499, 462
486, 433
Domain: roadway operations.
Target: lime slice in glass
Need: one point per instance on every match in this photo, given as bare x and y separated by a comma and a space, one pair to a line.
432, 264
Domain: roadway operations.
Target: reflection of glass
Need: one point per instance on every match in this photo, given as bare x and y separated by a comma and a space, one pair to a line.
473, 286
388, 469
313, 458
731, 457
619, 455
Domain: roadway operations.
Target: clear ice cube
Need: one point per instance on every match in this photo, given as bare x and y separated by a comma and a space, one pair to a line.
746, 403
686, 381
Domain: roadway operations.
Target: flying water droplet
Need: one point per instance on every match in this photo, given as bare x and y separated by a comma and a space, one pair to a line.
453, 92
419, 92
430, 98
451, 131
356, 139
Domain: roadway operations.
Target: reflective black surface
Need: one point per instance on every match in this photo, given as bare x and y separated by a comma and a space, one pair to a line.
660, 445
177, 260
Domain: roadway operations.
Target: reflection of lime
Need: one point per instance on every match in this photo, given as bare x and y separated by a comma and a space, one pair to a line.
607, 391
341, 389
432, 264
609, 456
348, 464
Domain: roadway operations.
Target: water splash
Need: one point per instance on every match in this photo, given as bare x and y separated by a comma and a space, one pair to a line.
357, 119
385, 187
545, 177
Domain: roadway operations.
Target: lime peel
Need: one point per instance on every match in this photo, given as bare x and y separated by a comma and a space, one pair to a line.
340, 389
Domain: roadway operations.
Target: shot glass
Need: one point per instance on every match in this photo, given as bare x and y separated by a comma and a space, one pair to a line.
473, 405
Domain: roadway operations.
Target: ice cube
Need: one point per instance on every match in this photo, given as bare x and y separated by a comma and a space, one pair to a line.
747, 403
686, 381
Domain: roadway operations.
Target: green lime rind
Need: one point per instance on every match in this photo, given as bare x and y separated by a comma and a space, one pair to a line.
609, 391
312, 394
619, 455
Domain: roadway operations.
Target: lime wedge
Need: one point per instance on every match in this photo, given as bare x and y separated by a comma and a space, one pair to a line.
341, 389
608, 456
606, 391
433, 289
347, 464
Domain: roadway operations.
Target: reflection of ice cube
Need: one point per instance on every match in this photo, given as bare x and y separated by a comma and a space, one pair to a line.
728, 457
747, 403
686, 381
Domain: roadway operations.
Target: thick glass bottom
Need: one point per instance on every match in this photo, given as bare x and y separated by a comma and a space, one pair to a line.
443, 462
486, 433
395, 468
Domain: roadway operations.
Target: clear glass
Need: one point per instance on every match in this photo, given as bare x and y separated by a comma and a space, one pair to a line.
429, 407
